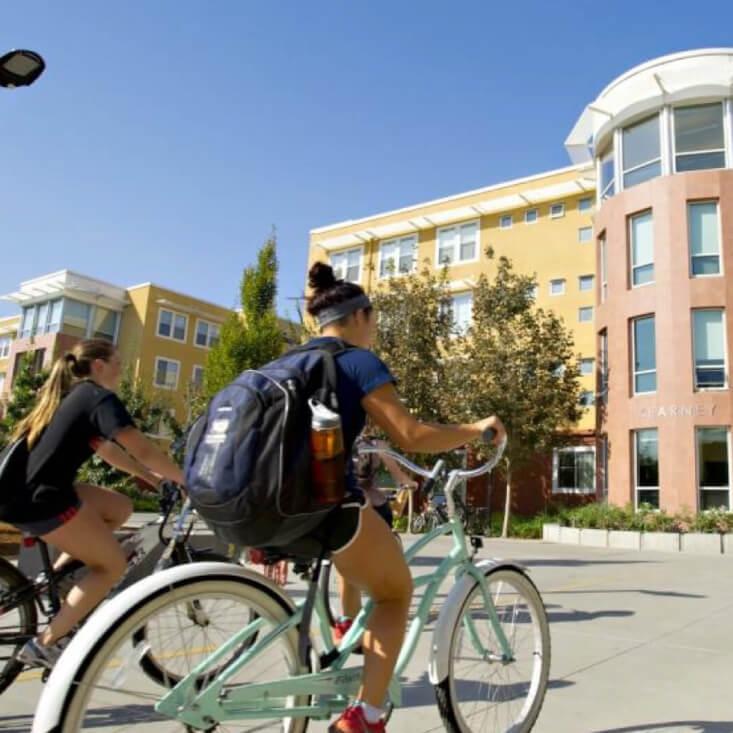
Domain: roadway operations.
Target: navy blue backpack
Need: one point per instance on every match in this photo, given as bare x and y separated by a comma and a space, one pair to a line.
247, 461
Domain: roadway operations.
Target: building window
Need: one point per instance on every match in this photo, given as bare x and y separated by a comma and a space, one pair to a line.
27, 321
604, 268
207, 334
587, 399
585, 282
531, 216
104, 323
458, 243
397, 256
603, 354
534, 292
54, 316
708, 326
713, 468
699, 141
197, 377
2, 382
585, 234
641, 235
586, 366
585, 314
505, 222
645, 355
76, 318
646, 460
557, 287
461, 309
5, 342
172, 325
557, 211
607, 175
166, 373
603, 460
642, 159
347, 265
704, 236
574, 470
585, 204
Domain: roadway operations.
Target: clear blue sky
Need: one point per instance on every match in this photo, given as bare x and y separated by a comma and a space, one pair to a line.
167, 137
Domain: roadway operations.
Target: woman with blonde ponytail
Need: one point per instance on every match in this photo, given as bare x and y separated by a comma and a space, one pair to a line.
77, 414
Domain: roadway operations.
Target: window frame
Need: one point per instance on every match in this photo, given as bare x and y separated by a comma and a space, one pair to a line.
345, 253
630, 237
603, 265
587, 277
398, 242
603, 363
634, 372
455, 332
698, 464
561, 206
557, 280
575, 449
194, 369
503, 217
536, 211
580, 236
673, 137
621, 171
635, 448
585, 203
726, 382
700, 202
583, 308
207, 346
155, 373
6, 343
457, 248
173, 325
585, 360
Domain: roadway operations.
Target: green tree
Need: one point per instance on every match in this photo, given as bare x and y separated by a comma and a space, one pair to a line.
413, 329
26, 384
254, 336
516, 361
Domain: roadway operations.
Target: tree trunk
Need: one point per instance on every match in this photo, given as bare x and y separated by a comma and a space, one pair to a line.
507, 501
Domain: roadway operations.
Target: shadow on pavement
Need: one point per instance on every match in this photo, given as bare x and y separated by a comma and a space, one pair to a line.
573, 615
699, 726
573, 562
420, 693
614, 591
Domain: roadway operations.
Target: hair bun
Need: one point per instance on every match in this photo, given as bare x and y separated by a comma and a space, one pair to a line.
70, 358
321, 277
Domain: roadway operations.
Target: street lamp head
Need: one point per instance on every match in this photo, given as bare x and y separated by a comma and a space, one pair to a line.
20, 68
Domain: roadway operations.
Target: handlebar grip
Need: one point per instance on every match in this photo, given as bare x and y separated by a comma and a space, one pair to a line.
427, 487
488, 435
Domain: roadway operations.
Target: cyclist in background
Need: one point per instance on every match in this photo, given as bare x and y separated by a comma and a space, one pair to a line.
77, 414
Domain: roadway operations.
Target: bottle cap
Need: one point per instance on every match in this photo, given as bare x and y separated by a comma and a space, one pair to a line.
323, 417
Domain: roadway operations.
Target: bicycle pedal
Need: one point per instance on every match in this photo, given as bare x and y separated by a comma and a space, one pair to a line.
477, 542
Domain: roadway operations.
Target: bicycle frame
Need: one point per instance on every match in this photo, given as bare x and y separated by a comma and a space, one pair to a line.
201, 707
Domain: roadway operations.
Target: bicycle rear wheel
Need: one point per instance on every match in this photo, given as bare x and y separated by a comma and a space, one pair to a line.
483, 691
110, 687
18, 623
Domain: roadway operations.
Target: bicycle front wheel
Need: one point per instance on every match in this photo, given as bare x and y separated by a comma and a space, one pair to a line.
112, 685
485, 689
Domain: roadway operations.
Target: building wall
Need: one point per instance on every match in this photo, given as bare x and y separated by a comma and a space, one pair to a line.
676, 408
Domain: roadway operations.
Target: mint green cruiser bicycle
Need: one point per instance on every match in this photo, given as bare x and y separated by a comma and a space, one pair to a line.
242, 655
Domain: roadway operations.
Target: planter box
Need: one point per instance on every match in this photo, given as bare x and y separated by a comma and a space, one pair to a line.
624, 540
594, 537
702, 544
660, 541
569, 535
551, 532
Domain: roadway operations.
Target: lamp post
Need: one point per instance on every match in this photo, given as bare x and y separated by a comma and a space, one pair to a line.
20, 68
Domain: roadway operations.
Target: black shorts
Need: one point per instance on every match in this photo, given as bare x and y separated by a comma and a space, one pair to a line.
38, 510
385, 511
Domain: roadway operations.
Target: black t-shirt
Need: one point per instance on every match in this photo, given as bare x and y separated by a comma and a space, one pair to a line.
88, 414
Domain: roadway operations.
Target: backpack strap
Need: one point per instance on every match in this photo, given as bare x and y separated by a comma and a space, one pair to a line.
330, 350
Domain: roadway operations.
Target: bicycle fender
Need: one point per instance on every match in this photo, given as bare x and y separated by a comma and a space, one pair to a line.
51, 707
440, 648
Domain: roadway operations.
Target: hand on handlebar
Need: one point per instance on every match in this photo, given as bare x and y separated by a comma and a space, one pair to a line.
492, 430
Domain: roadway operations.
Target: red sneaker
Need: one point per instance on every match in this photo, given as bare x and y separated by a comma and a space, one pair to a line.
352, 720
341, 628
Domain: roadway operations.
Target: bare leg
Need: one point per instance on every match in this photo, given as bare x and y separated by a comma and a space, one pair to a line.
374, 563
350, 598
113, 508
89, 539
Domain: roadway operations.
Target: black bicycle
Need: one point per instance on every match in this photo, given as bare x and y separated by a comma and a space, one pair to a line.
158, 544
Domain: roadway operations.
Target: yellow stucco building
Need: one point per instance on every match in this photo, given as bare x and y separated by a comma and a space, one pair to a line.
542, 223
162, 335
